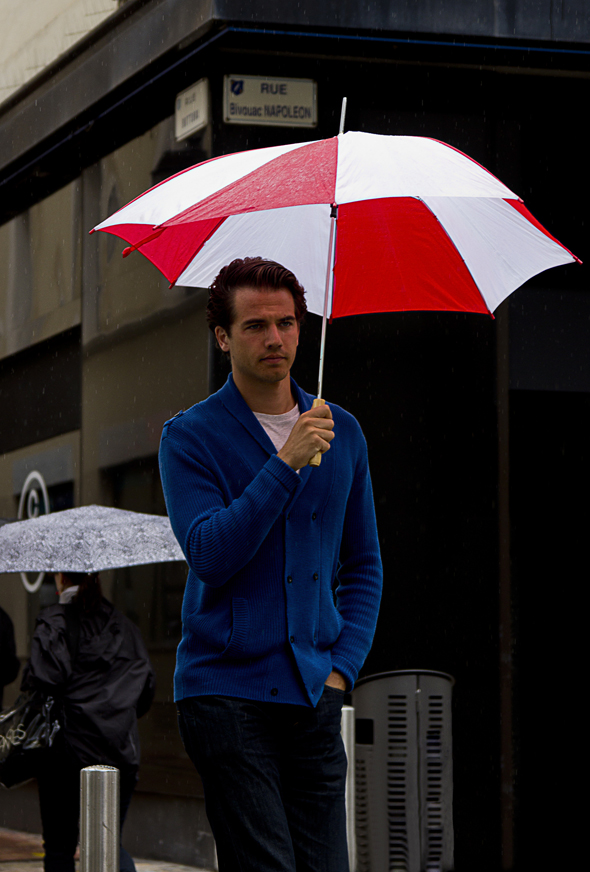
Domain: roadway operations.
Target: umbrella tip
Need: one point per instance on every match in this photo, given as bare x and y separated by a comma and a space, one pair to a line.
343, 114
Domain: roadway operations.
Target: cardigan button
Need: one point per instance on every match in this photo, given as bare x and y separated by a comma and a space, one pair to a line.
291, 639
314, 516
289, 580
315, 576
274, 691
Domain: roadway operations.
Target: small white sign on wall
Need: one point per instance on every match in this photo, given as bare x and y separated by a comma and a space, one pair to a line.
192, 110
270, 101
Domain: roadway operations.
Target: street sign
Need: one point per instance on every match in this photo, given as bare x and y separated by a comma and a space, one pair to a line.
269, 101
192, 110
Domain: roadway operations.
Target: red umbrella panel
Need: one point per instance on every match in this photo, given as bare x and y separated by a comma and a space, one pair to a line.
419, 225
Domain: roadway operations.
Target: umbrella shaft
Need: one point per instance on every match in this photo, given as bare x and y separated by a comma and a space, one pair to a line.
329, 275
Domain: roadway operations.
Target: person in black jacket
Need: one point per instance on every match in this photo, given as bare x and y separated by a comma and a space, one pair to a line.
92, 659
9, 662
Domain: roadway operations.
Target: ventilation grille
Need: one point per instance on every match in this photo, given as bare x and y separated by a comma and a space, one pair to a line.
397, 782
404, 773
434, 784
363, 844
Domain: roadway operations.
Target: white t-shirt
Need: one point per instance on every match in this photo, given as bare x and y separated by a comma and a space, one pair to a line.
278, 427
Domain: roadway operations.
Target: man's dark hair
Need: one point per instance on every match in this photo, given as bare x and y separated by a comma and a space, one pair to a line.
89, 595
250, 272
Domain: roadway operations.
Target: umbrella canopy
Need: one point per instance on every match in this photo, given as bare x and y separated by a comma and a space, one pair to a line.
87, 539
420, 226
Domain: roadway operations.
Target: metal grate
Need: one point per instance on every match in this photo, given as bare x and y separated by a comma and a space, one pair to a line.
404, 772
434, 770
397, 754
362, 770
436, 786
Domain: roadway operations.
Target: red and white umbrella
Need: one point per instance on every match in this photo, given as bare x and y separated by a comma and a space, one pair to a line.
398, 223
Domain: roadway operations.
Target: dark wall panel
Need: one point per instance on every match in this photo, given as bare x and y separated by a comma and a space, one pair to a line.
550, 479
40, 391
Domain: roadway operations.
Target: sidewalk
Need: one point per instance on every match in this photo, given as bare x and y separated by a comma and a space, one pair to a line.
23, 852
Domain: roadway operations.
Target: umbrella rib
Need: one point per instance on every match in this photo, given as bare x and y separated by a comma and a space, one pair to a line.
189, 260
136, 246
440, 223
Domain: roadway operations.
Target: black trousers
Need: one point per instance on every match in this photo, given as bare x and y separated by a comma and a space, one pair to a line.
58, 779
274, 777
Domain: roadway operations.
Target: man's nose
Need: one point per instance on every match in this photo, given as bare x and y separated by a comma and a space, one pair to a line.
273, 336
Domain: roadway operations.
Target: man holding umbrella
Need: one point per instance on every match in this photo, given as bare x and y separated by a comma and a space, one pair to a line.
284, 584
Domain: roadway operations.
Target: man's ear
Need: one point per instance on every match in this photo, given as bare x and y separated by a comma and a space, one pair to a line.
221, 336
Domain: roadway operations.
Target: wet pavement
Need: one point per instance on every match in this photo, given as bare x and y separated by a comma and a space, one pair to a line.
23, 852
18, 847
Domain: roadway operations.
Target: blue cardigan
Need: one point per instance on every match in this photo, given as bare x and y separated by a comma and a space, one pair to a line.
285, 573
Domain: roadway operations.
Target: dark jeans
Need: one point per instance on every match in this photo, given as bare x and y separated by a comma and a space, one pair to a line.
58, 779
274, 779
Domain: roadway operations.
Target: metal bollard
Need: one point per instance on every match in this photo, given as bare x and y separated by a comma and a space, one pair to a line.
348, 737
99, 819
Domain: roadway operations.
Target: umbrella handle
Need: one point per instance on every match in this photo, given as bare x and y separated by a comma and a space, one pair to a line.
317, 458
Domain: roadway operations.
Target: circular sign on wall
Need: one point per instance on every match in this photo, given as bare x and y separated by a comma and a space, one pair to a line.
34, 501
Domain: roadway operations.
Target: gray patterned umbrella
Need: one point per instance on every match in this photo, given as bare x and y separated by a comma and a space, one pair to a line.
88, 539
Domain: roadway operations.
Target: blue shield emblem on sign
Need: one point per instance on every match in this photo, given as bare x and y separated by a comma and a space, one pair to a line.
236, 86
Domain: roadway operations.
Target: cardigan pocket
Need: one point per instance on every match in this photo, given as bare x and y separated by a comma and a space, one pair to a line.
240, 627
330, 621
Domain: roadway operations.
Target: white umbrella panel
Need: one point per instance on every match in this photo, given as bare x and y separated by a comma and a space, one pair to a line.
87, 539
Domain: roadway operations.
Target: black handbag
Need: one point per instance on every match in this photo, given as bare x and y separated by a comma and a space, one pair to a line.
27, 729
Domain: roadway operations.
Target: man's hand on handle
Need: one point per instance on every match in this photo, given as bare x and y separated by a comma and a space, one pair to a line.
313, 432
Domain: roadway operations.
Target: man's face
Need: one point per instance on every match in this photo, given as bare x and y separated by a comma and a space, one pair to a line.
263, 337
